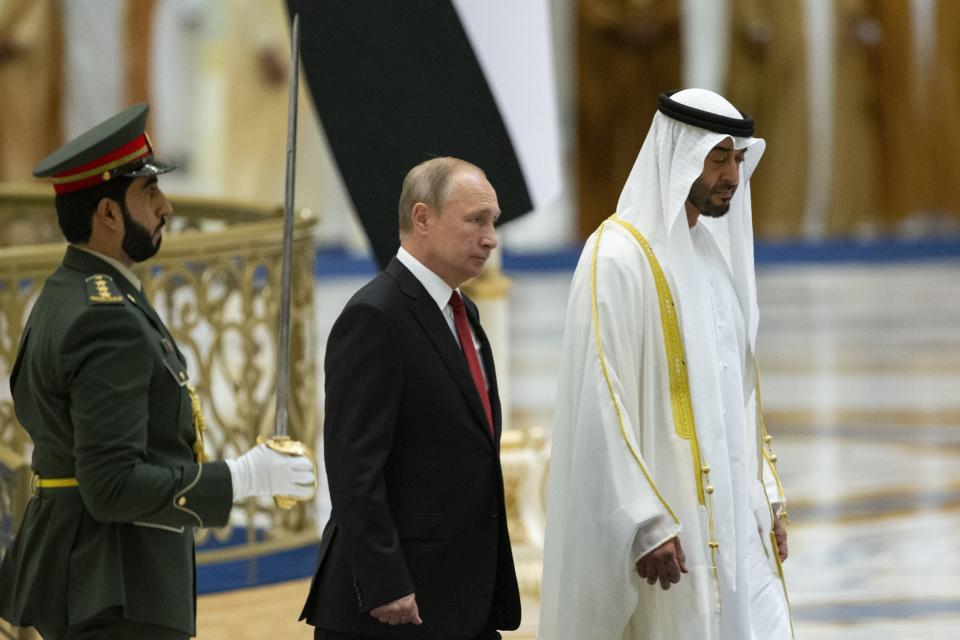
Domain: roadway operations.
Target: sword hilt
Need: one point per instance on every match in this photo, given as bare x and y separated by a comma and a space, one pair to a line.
289, 447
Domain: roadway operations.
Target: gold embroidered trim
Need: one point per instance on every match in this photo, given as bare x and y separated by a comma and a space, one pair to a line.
606, 376
764, 446
199, 425
101, 289
677, 365
683, 420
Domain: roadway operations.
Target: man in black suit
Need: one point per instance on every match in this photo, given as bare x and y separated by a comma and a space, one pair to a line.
417, 544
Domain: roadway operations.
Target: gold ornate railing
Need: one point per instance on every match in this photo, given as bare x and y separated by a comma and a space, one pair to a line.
525, 457
214, 282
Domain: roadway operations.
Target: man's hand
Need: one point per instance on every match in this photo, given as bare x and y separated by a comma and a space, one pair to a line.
400, 611
780, 534
665, 563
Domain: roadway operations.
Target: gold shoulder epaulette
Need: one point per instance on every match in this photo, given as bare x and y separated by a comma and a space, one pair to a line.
101, 289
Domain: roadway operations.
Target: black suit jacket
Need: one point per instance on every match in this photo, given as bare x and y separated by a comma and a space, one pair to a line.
414, 473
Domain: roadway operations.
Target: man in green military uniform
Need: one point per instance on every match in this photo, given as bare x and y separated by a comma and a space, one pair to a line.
106, 547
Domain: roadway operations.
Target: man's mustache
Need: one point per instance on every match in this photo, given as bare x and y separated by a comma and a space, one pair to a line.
725, 189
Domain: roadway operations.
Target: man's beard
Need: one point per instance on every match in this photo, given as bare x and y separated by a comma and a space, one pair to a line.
699, 197
138, 242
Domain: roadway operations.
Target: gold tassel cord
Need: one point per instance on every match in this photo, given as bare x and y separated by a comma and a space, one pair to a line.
199, 425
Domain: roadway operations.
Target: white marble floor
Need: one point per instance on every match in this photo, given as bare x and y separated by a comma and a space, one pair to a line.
863, 386
861, 374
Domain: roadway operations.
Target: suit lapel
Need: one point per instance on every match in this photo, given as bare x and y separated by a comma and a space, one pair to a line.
425, 310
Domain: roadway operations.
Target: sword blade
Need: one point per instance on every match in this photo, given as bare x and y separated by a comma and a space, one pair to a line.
286, 273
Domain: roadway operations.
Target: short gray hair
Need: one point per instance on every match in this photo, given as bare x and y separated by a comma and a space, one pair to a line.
430, 182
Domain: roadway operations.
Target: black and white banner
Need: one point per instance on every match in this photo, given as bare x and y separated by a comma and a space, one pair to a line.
396, 82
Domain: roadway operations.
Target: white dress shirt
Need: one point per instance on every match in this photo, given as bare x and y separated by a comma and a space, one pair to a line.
440, 292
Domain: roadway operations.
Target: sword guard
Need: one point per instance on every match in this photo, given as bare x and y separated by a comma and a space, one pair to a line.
289, 447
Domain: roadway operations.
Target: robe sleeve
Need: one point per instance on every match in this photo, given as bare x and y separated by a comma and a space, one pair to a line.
603, 506
619, 299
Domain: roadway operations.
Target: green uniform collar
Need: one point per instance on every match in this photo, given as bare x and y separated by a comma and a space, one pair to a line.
121, 268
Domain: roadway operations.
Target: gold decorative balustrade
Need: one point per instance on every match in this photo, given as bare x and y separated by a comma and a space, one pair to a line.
215, 283
524, 455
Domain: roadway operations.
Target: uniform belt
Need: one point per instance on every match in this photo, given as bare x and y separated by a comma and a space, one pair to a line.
53, 483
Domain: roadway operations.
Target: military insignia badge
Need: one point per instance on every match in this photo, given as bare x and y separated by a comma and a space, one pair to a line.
101, 289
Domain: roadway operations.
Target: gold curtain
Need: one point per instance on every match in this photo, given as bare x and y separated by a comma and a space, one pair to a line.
906, 173
30, 69
628, 51
138, 36
855, 203
944, 151
767, 79
255, 50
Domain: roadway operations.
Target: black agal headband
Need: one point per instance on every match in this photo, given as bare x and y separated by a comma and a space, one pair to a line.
741, 128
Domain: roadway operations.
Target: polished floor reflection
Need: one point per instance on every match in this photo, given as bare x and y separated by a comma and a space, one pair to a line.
861, 374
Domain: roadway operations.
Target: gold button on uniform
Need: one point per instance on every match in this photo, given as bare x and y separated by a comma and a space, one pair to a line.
708, 488
182, 501
768, 439
773, 457
705, 468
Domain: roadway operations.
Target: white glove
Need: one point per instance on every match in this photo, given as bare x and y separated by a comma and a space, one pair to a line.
264, 472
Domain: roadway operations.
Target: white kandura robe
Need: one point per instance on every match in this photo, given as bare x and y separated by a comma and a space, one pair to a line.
622, 481
764, 612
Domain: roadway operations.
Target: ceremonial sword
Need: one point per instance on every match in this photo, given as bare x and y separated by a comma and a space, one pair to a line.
280, 441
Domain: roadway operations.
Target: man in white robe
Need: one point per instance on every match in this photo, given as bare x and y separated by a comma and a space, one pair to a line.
661, 469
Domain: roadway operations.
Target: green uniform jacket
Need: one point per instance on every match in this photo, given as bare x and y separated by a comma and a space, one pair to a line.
100, 386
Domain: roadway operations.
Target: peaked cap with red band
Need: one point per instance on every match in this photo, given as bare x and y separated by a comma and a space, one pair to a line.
117, 147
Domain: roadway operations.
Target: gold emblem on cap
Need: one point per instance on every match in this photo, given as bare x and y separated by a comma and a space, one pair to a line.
105, 175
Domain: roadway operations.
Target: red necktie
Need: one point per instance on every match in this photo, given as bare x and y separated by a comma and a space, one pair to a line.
470, 353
